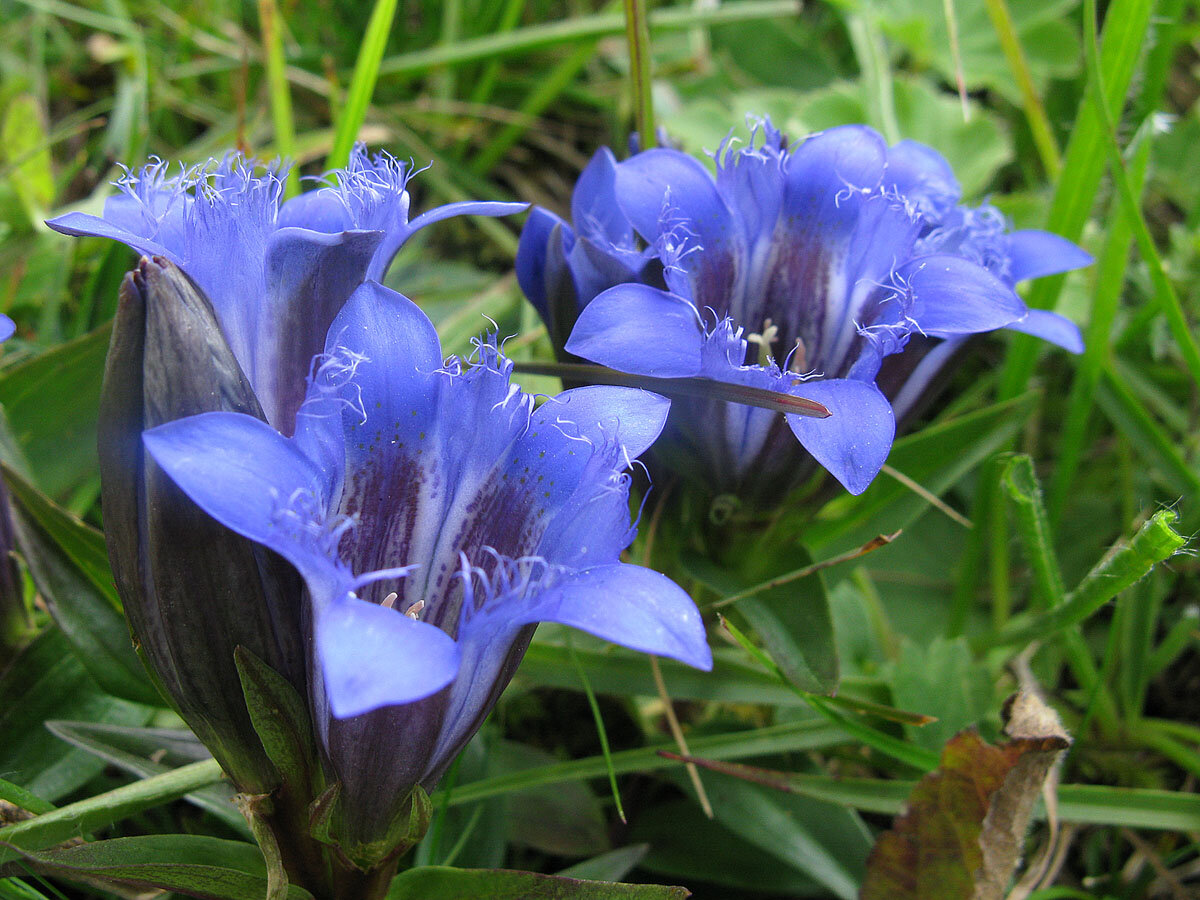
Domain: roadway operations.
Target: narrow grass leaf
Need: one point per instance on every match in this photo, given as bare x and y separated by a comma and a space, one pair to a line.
362, 85
601, 733
104, 809
1125, 564
1033, 527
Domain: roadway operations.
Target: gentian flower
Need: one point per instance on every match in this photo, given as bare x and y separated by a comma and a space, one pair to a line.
798, 270
226, 316
436, 516
275, 272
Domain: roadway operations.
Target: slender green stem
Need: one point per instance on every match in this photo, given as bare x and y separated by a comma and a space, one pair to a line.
601, 733
637, 35
1154, 542
1033, 527
362, 86
870, 48
1035, 112
281, 95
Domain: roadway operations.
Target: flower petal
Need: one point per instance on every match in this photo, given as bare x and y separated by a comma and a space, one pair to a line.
77, 224
7, 328
922, 176
651, 183
1034, 254
398, 235
828, 175
534, 272
954, 296
249, 478
628, 605
641, 330
1050, 327
854, 442
373, 656
594, 208
310, 275
631, 416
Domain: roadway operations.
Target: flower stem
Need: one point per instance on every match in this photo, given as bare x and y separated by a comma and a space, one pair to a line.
637, 33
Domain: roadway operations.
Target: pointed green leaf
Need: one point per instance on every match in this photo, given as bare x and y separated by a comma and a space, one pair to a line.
190, 864
46, 680
130, 749
89, 617
51, 403
280, 718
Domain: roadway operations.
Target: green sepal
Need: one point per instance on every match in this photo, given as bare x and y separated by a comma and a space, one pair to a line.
405, 831
280, 717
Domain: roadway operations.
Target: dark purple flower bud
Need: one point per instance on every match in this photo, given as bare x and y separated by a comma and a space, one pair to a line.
192, 589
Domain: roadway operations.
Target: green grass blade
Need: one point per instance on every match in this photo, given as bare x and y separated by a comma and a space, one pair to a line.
1125, 32
583, 28
1154, 542
362, 85
1129, 415
1164, 292
1035, 112
637, 36
543, 94
281, 95
1033, 527
103, 809
601, 733
1097, 341
805, 735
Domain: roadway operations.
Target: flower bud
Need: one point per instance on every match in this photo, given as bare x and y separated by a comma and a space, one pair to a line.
193, 590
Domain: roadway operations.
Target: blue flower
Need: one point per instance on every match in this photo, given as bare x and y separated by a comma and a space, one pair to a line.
276, 272
797, 270
436, 516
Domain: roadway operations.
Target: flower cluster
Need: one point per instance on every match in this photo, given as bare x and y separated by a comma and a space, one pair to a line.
800, 270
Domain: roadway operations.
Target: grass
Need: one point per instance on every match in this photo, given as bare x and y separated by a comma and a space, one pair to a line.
1079, 475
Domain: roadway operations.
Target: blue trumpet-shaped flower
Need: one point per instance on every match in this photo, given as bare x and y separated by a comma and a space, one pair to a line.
436, 516
276, 272
797, 270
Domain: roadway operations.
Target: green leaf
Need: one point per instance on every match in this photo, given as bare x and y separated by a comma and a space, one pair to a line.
280, 719
104, 809
443, 883
51, 403
88, 617
1051, 44
793, 621
944, 680
824, 842
1123, 565
47, 681
26, 149
687, 845
191, 864
362, 86
611, 866
83, 544
130, 749
560, 819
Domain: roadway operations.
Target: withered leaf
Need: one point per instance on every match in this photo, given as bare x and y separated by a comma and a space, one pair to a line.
962, 834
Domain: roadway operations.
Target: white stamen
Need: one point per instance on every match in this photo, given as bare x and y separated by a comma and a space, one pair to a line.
389, 602
414, 611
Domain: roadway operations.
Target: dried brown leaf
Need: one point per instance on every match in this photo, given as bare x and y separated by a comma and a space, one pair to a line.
962, 834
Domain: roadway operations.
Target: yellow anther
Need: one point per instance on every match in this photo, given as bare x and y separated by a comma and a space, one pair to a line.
414, 611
